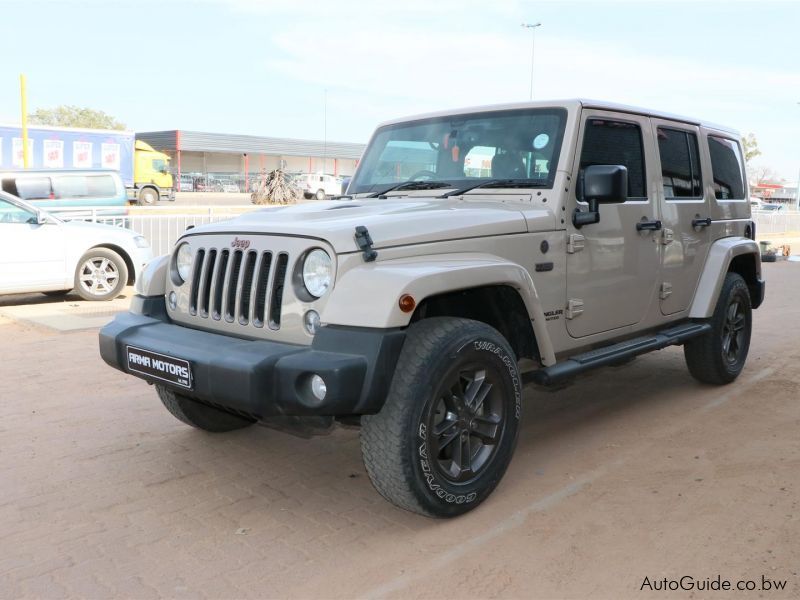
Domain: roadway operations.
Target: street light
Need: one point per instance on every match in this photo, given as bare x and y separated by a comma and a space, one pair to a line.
532, 27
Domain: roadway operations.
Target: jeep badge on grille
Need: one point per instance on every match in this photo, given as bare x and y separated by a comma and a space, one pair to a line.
241, 244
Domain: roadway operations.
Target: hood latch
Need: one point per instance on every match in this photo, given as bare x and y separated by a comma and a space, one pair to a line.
364, 243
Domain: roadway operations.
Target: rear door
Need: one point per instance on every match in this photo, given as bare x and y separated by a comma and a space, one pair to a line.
612, 268
684, 206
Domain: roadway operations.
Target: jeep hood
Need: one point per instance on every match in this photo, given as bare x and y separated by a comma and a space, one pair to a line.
390, 222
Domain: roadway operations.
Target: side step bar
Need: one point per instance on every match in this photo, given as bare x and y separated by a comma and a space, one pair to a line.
615, 353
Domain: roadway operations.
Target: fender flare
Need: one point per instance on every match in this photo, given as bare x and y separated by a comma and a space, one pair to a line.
367, 296
720, 255
153, 279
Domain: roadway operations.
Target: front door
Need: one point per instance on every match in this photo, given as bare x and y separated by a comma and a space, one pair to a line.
31, 255
684, 211
613, 268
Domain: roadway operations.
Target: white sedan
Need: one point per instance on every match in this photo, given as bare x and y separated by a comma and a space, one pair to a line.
41, 253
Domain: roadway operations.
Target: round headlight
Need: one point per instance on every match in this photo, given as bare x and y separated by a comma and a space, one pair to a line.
317, 272
183, 261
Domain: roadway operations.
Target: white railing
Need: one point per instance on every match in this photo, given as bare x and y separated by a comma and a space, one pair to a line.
161, 226
776, 222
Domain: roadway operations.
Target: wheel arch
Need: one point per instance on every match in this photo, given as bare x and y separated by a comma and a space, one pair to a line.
125, 256
438, 283
733, 254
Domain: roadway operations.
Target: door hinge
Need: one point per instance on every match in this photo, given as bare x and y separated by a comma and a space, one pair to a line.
666, 290
574, 308
575, 243
667, 236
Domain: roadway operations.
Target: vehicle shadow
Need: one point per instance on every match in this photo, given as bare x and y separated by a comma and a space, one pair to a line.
36, 298
324, 475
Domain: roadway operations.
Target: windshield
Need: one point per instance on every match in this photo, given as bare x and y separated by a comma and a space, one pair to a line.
461, 150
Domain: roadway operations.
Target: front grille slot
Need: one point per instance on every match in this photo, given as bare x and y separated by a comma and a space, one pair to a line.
277, 291
259, 310
233, 282
198, 269
208, 275
242, 286
219, 279
247, 288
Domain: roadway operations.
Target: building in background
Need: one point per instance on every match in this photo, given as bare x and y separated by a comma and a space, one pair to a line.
205, 161
776, 192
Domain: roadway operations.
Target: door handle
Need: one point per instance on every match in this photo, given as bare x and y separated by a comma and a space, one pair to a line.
648, 225
701, 222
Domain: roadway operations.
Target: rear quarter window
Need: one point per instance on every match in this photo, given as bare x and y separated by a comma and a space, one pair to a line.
726, 168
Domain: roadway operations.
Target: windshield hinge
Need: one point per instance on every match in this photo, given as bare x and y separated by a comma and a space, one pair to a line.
574, 308
364, 243
575, 243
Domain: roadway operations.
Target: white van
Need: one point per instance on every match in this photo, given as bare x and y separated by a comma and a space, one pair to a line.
318, 185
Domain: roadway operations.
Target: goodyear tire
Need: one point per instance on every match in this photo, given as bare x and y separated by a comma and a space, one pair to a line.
200, 415
447, 432
719, 356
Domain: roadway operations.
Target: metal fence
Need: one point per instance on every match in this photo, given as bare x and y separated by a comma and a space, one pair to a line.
776, 222
161, 226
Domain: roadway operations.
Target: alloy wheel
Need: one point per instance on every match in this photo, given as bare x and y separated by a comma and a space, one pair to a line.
465, 424
733, 331
98, 276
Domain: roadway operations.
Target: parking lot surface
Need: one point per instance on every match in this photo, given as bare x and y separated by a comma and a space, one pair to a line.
631, 472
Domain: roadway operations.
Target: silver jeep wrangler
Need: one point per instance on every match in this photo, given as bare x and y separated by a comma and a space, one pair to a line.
476, 251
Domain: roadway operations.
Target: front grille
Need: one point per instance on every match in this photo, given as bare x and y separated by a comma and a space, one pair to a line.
236, 286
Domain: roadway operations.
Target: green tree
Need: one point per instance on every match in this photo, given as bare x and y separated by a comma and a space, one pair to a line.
750, 147
74, 116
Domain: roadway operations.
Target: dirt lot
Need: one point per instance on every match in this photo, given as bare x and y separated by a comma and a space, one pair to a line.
631, 472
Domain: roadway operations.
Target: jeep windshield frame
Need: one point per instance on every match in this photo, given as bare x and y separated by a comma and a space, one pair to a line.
463, 151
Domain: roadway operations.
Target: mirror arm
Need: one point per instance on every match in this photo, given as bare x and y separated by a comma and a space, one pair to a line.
579, 219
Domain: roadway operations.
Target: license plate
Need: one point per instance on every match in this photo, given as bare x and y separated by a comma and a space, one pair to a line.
160, 366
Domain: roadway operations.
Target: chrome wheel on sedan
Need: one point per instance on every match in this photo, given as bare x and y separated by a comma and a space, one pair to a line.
101, 275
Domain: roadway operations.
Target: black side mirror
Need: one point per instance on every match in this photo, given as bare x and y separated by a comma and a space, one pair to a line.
600, 184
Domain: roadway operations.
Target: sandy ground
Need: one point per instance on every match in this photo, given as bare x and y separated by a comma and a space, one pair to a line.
631, 472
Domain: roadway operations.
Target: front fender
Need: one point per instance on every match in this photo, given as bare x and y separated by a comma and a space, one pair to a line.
367, 296
720, 255
153, 279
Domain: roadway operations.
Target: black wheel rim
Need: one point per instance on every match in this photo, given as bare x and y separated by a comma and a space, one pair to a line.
733, 332
465, 423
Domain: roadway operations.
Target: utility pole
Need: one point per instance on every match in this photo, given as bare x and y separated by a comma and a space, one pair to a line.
532, 27
797, 197
23, 93
325, 134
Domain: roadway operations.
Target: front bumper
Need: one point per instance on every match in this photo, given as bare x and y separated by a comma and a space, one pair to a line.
257, 377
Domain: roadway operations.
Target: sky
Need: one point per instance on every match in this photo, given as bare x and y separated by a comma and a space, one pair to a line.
334, 69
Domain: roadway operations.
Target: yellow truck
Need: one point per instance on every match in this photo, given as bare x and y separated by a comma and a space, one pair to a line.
152, 179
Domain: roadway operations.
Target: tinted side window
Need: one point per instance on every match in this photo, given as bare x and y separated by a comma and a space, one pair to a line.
680, 163
616, 143
101, 186
34, 188
726, 168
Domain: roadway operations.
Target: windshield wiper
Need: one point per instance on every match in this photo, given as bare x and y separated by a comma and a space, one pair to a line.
411, 185
510, 183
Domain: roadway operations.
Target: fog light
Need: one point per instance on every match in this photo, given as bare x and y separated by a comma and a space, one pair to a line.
173, 300
318, 387
311, 321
